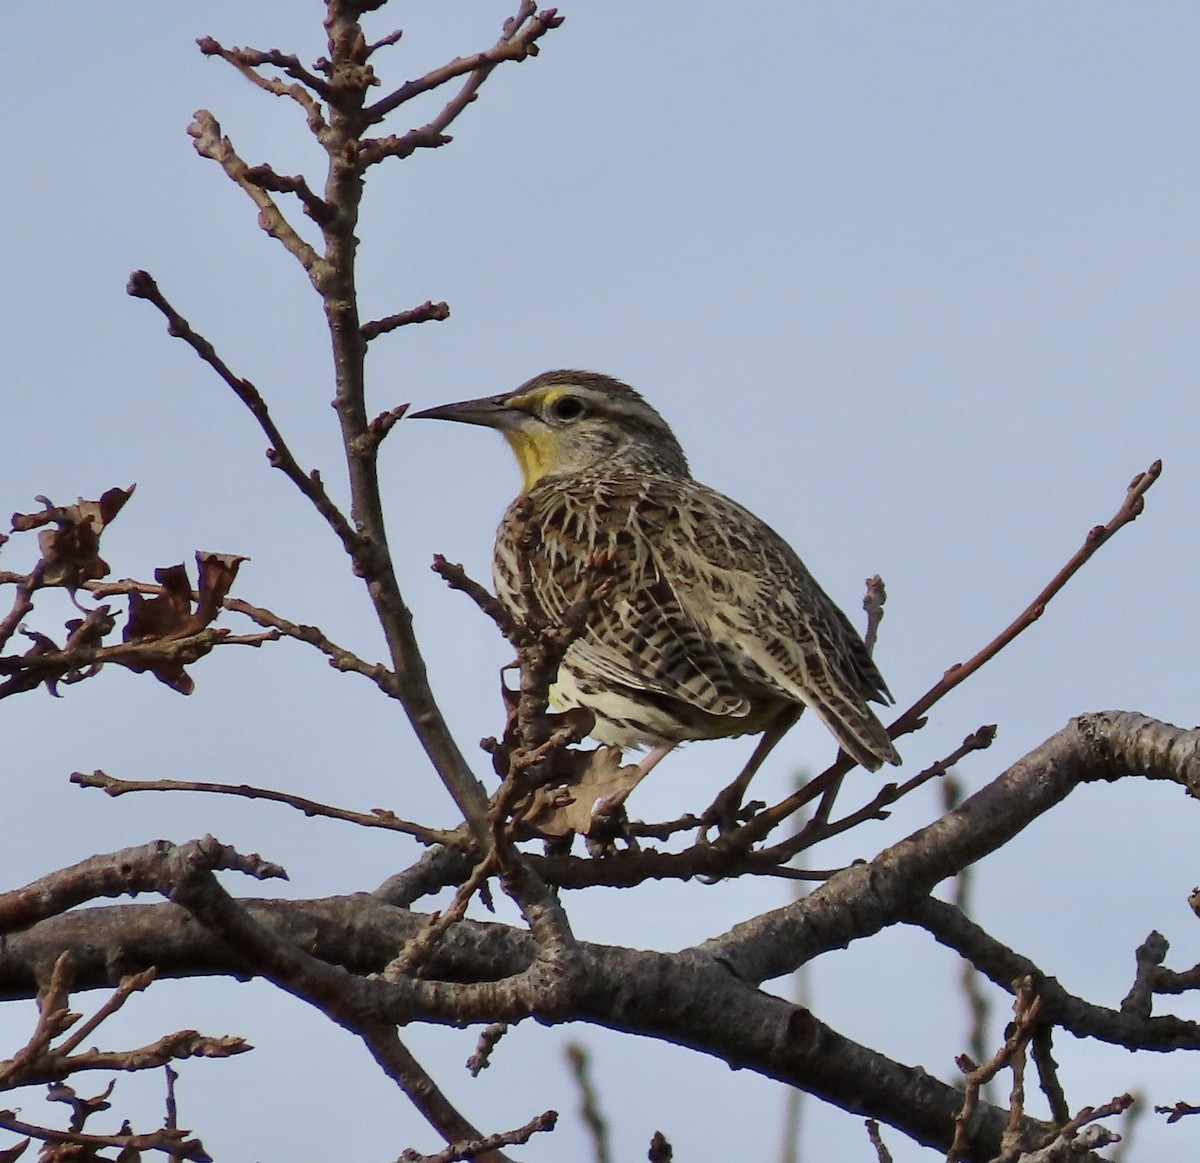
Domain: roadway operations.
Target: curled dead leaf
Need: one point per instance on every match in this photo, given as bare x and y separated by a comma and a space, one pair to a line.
18, 682
71, 550
218, 571
167, 615
588, 780
170, 616
91, 630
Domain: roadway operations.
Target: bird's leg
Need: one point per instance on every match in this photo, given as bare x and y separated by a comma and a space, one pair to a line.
605, 811
724, 809
656, 753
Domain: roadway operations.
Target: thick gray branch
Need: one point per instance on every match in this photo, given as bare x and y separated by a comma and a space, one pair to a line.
706, 998
859, 901
1003, 966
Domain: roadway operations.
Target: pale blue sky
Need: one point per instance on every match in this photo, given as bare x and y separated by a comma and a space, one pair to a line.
914, 281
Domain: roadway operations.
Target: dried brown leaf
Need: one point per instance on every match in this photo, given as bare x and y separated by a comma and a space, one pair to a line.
27, 682
90, 631
218, 571
71, 550
592, 779
170, 615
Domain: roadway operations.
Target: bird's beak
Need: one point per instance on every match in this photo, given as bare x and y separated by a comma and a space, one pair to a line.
488, 411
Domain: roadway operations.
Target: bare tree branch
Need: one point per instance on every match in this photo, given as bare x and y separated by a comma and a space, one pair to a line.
913, 718
371, 964
518, 40
379, 818
205, 132
247, 61
486, 1147
142, 286
1131, 508
589, 1103
425, 313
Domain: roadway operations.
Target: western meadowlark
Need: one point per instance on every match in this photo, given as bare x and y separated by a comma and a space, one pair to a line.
710, 626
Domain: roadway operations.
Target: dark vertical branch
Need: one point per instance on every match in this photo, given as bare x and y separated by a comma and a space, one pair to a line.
348, 50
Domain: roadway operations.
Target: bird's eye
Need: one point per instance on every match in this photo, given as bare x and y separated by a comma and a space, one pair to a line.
567, 408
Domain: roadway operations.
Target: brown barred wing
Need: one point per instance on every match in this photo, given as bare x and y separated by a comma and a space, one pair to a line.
764, 612
639, 637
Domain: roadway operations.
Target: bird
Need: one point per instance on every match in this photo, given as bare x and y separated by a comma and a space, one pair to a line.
710, 626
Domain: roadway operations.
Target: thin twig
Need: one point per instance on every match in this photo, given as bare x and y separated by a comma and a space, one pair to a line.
1179, 1110
589, 1104
27, 585
351, 78
481, 1059
142, 286
129, 985
171, 1142
392, 37
1041, 1051
1122, 1151
661, 1150
517, 41
458, 579
247, 61
378, 818
873, 602
398, 1063
53, 665
425, 313
970, 979
818, 829
339, 657
1149, 958
409, 960
55, 1066
1070, 1133
882, 1154
477, 1149
172, 1120
265, 178
1131, 508
913, 718
1027, 1015
205, 132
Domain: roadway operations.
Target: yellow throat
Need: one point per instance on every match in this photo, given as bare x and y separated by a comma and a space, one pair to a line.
536, 449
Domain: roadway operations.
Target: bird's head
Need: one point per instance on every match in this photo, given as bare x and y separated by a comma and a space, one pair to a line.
569, 422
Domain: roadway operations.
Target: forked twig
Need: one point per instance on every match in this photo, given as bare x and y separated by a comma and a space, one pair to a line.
913, 718
171, 1142
517, 41
1027, 1015
818, 829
